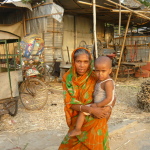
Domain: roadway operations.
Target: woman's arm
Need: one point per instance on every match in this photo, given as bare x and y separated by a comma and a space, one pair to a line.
97, 112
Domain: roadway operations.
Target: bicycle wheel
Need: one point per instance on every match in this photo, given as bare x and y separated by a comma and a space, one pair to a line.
33, 94
41, 70
12, 106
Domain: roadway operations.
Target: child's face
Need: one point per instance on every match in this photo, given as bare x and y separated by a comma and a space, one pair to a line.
102, 71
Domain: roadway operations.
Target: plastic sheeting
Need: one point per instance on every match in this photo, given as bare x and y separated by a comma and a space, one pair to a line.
16, 29
37, 19
19, 3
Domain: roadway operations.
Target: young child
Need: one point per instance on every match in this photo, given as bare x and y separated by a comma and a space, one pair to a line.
103, 92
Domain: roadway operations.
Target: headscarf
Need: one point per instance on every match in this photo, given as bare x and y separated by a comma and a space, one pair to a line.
77, 89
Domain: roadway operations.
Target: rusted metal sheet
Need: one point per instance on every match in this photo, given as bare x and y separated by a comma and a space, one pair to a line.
137, 48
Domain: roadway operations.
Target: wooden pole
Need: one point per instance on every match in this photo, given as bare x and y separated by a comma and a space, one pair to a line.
128, 11
24, 25
43, 16
140, 15
119, 20
127, 26
11, 7
75, 32
92, 5
94, 27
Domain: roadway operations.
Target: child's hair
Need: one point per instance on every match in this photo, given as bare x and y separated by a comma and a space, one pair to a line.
104, 59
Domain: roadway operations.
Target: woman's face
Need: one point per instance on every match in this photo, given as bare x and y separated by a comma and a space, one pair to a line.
82, 64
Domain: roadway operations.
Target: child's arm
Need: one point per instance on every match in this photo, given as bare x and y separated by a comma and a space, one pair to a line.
108, 88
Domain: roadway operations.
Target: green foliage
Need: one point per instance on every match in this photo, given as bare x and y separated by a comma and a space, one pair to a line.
145, 2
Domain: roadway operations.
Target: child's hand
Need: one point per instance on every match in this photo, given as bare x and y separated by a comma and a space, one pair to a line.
93, 105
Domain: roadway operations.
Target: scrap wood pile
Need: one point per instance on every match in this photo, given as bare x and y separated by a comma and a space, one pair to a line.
143, 97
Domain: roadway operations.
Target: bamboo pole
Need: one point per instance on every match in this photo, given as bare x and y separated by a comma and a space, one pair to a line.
42, 4
11, 7
119, 20
128, 11
75, 32
24, 25
43, 16
141, 15
95, 5
127, 26
94, 27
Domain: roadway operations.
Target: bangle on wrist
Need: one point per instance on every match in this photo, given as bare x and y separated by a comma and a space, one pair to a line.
110, 106
81, 107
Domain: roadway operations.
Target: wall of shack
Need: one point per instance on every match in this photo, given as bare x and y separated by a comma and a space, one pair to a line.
63, 37
77, 29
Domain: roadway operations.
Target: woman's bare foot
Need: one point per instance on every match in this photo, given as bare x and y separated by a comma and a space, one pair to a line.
74, 132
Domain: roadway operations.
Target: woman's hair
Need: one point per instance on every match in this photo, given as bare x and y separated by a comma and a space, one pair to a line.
81, 51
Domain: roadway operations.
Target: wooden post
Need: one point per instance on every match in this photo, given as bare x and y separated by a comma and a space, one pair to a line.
94, 27
75, 33
119, 20
24, 25
123, 44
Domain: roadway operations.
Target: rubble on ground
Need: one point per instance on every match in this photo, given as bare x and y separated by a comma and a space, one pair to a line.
143, 96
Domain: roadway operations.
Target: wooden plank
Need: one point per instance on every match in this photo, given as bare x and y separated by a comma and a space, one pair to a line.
43, 16
127, 26
54, 31
92, 5
52, 47
130, 37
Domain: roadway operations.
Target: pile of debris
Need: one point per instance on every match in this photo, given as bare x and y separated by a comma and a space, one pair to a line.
143, 97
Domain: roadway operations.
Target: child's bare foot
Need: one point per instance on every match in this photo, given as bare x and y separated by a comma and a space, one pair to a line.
74, 133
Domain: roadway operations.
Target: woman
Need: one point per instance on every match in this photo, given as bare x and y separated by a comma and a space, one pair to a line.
78, 85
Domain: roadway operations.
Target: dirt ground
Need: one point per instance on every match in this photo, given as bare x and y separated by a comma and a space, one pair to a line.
51, 117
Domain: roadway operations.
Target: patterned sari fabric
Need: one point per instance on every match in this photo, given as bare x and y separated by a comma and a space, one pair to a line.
79, 90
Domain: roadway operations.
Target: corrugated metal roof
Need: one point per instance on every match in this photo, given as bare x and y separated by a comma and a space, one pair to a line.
73, 7
74, 4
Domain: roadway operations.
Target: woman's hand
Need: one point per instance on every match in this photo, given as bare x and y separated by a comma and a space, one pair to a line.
93, 105
100, 113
